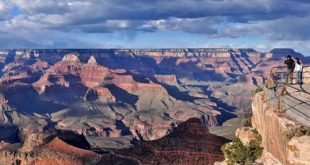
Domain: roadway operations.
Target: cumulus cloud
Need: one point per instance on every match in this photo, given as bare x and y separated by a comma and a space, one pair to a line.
195, 25
270, 19
289, 28
4, 11
78, 13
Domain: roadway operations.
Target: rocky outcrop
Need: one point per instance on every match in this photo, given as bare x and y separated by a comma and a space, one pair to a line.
3, 103
101, 93
32, 140
55, 152
92, 60
276, 130
72, 57
167, 79
49, 146
245, 134
298, 150
189, 143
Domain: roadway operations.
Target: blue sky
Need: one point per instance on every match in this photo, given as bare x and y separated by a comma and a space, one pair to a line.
259, 24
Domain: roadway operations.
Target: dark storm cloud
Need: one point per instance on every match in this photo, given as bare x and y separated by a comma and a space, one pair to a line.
98, 16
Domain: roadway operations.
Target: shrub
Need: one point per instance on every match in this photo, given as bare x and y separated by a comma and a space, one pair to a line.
247, 122
236, 152
256, 90
258, 137
255, 150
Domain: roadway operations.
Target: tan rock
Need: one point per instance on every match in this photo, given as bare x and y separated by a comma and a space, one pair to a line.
220, 163
167, 79
72, 57
299, 150
245, 134
92, 60
267, 159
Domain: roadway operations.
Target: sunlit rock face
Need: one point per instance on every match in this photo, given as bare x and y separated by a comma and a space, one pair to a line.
51, 148
126, 93
276, 131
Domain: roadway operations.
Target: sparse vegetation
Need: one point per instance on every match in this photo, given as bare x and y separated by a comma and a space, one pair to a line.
258, 137
247, 122
256, 90
237, 153
297, 132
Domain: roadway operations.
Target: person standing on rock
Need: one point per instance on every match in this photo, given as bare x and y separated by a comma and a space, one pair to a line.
290, 69
298, 70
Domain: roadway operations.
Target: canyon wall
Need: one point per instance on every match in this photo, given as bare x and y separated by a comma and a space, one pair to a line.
114, 96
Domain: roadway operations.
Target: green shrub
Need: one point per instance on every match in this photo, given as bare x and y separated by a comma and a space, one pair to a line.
236, 152
258, 137
255, 150
247, 122
256, 90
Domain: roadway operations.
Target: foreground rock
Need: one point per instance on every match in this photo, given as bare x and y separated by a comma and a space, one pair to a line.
55, 151
299, 152
189, 143
280, 134
245, 134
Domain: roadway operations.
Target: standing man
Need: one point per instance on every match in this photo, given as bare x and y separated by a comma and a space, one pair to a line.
290, 69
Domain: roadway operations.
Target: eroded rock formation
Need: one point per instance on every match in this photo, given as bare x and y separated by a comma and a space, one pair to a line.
188, 143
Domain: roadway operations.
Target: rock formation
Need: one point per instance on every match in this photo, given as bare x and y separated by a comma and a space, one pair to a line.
72, 57
188, 143
278, 133
92, 60
245, 135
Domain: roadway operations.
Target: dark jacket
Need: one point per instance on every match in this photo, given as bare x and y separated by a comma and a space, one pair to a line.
290, 64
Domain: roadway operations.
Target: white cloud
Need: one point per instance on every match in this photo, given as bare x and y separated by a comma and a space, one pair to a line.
5, 10
269, 19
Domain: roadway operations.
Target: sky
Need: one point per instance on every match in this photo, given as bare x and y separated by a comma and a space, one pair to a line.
259, 24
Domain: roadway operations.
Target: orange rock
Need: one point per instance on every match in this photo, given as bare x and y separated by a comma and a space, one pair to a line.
60, 146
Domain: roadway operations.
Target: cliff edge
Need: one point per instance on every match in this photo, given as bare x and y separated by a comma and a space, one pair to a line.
283, 137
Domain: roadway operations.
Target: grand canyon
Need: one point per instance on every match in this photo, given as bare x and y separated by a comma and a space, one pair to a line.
127, 106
